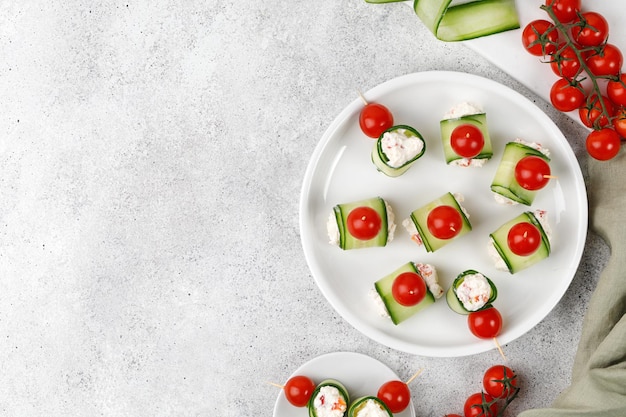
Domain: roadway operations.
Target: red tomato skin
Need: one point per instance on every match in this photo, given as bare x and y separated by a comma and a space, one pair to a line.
603, 144
298, 390
592, 114
396, 395
473, 406
616, 90
524, 239
594, 33
538, 30
364, 223
444, 222
606, 62
493, 375
485, 324
374, 119
408, 289
467, 141
566, 97
619, 123
565, 63
531, 173
565, 10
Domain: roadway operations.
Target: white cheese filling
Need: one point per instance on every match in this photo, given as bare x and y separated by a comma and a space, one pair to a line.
429, 273
474, 292
400, 146
329, 402
371, 409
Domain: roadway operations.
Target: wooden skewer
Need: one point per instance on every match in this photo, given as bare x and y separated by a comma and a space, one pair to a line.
362, 98
499, 349
276, 385
415, 375
550, 176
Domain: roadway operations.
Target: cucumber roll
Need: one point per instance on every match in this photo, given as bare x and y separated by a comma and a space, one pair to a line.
369, 406
397, 149
465, 136
471, 291
330, 399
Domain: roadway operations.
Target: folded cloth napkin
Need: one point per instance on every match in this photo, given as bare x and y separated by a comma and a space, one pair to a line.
598, 385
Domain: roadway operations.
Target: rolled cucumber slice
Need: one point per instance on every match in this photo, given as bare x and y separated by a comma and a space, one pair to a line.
380, 158
368, 401
346, 240
453, 300
514, 262
504, 182
333, 383
397, 311
448, 125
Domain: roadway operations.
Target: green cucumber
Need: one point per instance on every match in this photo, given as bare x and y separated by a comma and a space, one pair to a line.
504, 182
360, 403
448, 125
346, 240
468, 20
420, 220
343, 393
380, 159
516, 263
453, 300
398, 312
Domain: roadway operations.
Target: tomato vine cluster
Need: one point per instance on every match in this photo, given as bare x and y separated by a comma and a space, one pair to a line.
591, 81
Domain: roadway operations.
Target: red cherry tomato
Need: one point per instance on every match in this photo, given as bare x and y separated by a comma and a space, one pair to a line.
565, 63
444, 222
607, 61
540, 37
494, 381
467, 140
396, 395
524, 239
593, 114
532, 172
564, 10
480, 404
603, 144
408, 289
616, 90
619, 123
591, 30
485, 324
364, 223
566, 95
298, 390
374, 119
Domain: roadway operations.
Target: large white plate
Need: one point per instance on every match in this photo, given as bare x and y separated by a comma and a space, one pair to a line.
341, 171
361, 375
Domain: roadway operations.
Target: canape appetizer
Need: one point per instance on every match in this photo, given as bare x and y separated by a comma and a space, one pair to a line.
521, 242
523, 170
361, 224
406, 291
465, 136
397, 149
330, 399
439, 222
471, 291
368, 406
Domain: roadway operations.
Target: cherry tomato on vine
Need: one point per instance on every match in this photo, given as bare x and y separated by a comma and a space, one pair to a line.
564, 10
467, 140
619, 123
532, 172
444, 222
493, 381
485, 324
395, 394
540, 37
603, 144
408, 289
592, 113
374, 119
298, 390
565, 63
616, 90
524, 239
590, 30
607, 61
364, 223
480, 404
566, 95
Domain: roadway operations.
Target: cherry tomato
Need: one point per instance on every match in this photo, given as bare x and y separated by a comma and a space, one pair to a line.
298, 390
444, 222
566, 95
524, 239
467, 140
616, 90
478, 405
591, 30
493, 381
408, 289
603, 144
364, 223
531, 172
564, 10
565, 63
395, 394
607, 61
540, 37
374, 119
485, 324
619, 123
592, 114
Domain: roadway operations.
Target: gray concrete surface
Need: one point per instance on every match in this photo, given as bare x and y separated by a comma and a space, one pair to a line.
151, 159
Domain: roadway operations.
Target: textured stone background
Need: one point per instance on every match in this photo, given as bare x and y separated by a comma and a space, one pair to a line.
151, 158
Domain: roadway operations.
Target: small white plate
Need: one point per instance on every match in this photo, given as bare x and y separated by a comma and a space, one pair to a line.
360, 374
341, 171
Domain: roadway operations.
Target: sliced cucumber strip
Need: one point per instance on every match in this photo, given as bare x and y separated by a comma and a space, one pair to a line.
420, 219
514, 262
456, 304
362, 403
448, 125
467, 20
398, 312
341, 390
504, 182
380, 158
346, 240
